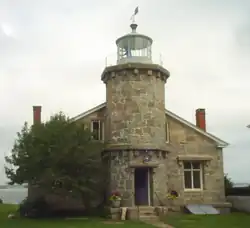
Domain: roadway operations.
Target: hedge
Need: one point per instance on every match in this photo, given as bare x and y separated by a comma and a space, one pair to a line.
238, 191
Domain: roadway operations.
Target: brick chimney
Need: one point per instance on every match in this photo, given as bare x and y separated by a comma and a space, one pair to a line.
37, 114
201, 118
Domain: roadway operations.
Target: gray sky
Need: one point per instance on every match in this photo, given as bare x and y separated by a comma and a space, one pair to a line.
52, 52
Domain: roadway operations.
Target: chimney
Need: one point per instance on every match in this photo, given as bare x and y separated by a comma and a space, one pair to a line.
37, 114
201, 118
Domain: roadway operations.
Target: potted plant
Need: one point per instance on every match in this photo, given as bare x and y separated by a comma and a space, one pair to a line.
172, 195
115, 199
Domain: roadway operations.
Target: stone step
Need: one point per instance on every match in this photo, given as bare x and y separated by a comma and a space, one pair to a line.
146, 209
147, 213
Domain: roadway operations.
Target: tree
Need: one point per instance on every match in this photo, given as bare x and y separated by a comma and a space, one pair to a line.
59, 156
228, 182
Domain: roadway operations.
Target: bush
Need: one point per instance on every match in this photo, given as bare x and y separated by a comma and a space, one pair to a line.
1, 201
238, 191
41, 209
97, 211
34, 209
228, 182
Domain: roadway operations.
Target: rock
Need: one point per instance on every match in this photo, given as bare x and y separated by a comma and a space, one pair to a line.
11, 216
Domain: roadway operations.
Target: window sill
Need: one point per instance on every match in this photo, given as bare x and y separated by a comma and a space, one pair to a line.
193, 190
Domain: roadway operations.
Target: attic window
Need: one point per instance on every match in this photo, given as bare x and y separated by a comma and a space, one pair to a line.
97, 129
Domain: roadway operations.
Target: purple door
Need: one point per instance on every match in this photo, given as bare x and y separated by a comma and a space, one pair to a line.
141, 186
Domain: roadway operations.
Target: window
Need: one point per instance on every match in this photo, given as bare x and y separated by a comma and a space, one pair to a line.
193, 175
97, 129
167, 131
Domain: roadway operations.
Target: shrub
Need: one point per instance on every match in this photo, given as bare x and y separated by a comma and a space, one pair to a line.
1, 201
34, 209
228, 182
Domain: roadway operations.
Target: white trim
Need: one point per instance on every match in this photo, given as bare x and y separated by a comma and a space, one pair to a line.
167, 131
91, 126
99, 128
192, 170
149, 187
220, 142
193, 190
81, 115
103, 131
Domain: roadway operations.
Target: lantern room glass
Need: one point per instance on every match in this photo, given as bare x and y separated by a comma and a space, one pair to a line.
134, 46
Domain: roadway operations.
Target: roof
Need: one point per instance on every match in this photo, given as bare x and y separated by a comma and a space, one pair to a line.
219, 142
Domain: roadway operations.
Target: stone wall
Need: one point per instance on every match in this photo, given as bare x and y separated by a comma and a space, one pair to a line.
135, 97
240, 203
122, 167
98, 115
121, 177
169, 172
189, 142
135, 124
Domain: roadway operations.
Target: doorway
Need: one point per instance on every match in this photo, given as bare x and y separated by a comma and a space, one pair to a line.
142, 186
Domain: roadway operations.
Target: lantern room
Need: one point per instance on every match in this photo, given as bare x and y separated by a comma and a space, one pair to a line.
134, 48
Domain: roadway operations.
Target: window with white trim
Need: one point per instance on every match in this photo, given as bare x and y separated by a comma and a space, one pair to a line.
97, 129
167, 131
193, 175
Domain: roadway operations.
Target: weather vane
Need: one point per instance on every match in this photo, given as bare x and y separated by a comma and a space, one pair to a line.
133, 16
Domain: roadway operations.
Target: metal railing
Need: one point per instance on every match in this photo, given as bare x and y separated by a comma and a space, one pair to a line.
111, 59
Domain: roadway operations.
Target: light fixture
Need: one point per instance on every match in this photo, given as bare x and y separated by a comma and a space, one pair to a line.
146, 157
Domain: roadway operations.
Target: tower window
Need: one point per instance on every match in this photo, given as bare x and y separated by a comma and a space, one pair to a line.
97, 129
167, 131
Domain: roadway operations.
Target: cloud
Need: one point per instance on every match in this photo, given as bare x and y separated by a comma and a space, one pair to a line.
53, 52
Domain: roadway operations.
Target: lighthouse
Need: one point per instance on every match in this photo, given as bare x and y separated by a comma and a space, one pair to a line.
135, 137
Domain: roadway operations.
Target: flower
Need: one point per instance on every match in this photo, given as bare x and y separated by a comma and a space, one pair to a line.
115, 195
173, 195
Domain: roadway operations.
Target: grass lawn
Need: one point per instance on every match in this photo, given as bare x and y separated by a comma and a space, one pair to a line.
61, 223
234, 220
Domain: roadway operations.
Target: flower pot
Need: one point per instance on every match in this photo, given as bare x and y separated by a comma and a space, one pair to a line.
116, 203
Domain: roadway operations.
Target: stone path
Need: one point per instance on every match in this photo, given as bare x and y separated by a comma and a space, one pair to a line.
112, 222
158, 224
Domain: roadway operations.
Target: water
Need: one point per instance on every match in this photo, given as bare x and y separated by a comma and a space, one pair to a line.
13, 195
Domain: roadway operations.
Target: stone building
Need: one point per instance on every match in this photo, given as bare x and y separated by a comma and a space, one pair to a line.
151, 150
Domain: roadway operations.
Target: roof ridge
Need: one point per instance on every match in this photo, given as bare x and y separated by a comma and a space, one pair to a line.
220, 142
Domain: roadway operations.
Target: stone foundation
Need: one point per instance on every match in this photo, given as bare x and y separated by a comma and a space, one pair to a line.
224, 208
134, 213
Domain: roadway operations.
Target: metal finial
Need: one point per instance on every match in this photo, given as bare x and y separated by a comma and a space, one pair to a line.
133, 27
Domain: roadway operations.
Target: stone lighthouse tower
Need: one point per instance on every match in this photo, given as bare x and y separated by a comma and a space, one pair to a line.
136, 150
